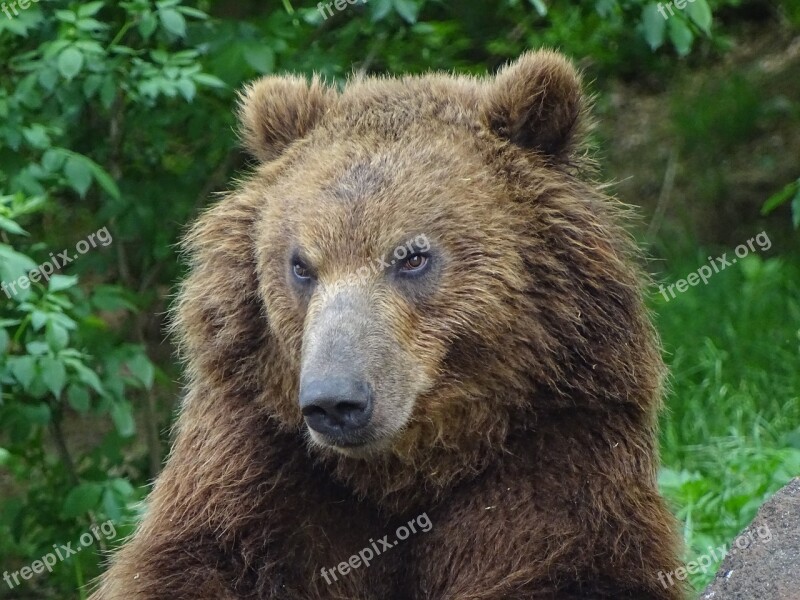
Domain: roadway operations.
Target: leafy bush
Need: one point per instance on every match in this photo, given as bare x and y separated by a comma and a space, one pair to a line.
65, 360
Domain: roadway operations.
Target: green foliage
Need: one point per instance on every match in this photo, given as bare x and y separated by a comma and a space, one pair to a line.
731, 435
61, 364
65, 360
680, 26
709, 129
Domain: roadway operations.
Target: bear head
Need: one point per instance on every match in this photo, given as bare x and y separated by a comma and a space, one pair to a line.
416, 268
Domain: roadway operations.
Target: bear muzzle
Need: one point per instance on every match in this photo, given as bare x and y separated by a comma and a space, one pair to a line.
346, 369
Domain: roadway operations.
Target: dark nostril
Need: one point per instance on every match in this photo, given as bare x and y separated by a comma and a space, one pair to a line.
341, 412
336, 405
347, 408
313, 411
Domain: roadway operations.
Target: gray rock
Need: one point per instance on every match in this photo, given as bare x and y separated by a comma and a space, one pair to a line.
763, 562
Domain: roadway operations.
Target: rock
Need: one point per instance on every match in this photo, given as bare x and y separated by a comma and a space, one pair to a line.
763, 562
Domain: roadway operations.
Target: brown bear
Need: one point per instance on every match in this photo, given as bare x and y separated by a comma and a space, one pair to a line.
417, 329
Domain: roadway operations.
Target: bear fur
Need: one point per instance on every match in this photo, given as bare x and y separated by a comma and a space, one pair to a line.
519, 379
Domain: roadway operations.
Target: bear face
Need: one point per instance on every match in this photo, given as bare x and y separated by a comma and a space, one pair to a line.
419, 265
370, 273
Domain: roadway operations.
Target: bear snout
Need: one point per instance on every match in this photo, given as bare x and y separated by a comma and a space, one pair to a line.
339, 408
353, 389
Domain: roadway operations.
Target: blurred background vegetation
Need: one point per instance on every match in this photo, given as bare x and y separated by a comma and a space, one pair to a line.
119, 115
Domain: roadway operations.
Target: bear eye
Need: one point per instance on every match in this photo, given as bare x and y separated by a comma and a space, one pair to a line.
301, 270
414, 263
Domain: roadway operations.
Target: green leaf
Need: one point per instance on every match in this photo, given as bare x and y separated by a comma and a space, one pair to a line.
90, 47
781, 197
48, 77
380, 9
36, 136
37, 348
108, 92
67, 16
122, 415
82, 499
208, 80
86, 375
53, 160
15, 26
654, 26
78, 174
408, 9
260, 57
89, 9
70, 62
14, 265
187, 89
142, 369
540, 7
62, 282
90, 25
80, 170
111, 505
104, 179
11, 226
23, 368
78, 398
160, 56
173, 21
700, 13
63, 320
681, 36
54, 375
605, 8
52, 49
38, 319
147, 24
61, 301
193, 12
57, 336
122, 487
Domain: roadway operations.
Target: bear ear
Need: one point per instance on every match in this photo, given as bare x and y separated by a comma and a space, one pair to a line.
275, 111
537, 103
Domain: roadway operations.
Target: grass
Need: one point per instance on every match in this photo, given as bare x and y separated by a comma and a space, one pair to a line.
731, 434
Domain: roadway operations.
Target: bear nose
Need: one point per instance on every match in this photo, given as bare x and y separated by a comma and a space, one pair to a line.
336, 405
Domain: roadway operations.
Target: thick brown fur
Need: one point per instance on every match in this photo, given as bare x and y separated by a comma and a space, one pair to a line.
532, 442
